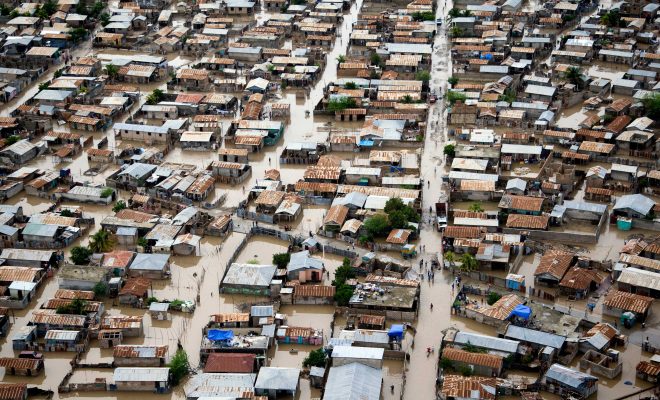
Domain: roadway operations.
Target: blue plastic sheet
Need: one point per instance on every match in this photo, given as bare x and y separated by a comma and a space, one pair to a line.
522, 311
396, 331
218, 334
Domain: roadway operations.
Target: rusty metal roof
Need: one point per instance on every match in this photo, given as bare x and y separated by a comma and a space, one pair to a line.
22, 274
50, 318
398, 236
139, 351
74, 294
117, 258
321, 187
136, 216
230, 363
605, 329
13, 391
469, 387
336, 215
648, 368
90, 306
270, 198
595, 147
230, 317
20, 364
628, 301
372, 319
502, 308
580, 278
465, 232
466, 357
555, 263
136, 286
314, 291
527, 221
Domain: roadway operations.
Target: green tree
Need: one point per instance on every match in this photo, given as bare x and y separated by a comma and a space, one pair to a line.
393, 204
43, 86
611, 18
377, 225
452, 80
315, 358
4, 9
509, 96
466, 13
574, 75
450, 257
341, 59
468, 262
281, 260
96, 10
343, 295
104, 18
12, 139
651, 104
142, 242
107, 192
492, 298
120, 205
423, 16
449, 150
155, 96
454, 12
78, 34
423, 76
344, 272
13, 14
80, 255
476, 207
179, 366
350, 86
341, 104
407, 99
453, 97
100, 290
456, 31
398, 220
112, 71
66, 213
101, 242
46, 10
375, 59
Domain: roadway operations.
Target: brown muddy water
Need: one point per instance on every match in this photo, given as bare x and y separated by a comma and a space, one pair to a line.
200, 276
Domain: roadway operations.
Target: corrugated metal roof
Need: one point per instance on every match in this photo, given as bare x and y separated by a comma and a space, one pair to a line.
466, 357
628, 301
139, 351
469, 387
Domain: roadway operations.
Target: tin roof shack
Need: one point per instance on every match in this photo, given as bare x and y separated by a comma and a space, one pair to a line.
553, 267
277, 381
249, 279
144, 379
302, 153
66, 340
639, 281
230, 172
579, 282
496, 314
130, 326
304, 268
600, 338
19, 153
370, 356
24, 338
221, 385
489, 344
526, 205
568, 381
455, 387
88, 194
313, 294
134, 291
617, 302
335, 218
536, 339
398, 302
13, 391
649, 371
117, 261
22, 366
151, 266
139, 356
478, 363
353, 381
230, 363
299, 335
82, 277
46, 320
131, 176
633, 206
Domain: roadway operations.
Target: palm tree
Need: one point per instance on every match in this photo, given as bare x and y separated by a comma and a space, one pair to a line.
112, 71
456, 31
468, 262
101, 242
341, 59
450, 257
454, 12
574, 75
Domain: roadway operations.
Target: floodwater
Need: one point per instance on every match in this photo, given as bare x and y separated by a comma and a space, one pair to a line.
198, 277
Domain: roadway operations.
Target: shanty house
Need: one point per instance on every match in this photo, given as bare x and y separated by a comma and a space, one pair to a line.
304, 268
567, 380
143, 379
248, 279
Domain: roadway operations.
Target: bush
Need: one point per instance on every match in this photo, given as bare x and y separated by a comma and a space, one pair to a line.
179, 366
12, 139
453, 97
651, 104
344, 272
343, 295
452, 80
66, 213
423, 16
120, 205
375, 59
107, 192
492, 298
377, 226
281, 260
100, 290
80, 255
76, 307
423, 76
464, 370
446, 363
449, 150
341, 104
316, 358
350, 85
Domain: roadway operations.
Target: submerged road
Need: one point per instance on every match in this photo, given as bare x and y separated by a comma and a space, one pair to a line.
422, 370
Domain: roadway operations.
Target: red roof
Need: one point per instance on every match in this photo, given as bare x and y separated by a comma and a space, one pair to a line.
230, 363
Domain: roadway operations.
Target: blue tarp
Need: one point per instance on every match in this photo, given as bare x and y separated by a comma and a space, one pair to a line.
366, 143
522, 311
396, 331
218, 334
